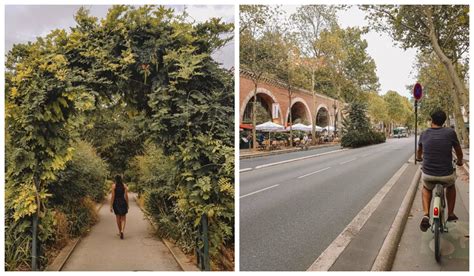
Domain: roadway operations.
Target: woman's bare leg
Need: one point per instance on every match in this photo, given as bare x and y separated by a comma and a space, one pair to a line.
124, 221
117, 217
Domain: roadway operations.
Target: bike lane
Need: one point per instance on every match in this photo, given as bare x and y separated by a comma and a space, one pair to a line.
416, 249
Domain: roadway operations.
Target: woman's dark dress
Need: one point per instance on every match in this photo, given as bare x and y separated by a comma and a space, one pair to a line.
120, 204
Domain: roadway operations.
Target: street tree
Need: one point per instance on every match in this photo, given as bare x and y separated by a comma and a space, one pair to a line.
285, 55
442, 29
397, 109
255, 56
437, 85
308, 22
377, 109
359, 67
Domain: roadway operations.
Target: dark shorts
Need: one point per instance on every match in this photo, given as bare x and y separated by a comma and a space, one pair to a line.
430, 181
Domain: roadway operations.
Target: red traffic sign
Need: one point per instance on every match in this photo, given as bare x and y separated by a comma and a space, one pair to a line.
417, 91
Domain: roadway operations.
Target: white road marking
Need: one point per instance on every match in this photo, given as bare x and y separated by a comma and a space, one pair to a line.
261, 190
342, 163
297, 159
335, 249
246, 170
313, 172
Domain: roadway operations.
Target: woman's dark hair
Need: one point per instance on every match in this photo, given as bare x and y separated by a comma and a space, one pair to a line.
438, 117
118, 181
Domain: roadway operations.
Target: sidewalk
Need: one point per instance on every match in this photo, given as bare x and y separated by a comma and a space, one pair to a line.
415, 251
249, 153
103, 250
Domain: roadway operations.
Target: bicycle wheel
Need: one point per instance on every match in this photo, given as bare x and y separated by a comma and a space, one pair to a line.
437, 238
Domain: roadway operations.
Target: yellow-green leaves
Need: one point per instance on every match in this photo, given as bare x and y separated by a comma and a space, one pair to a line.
187, 62
14, 92
26, 203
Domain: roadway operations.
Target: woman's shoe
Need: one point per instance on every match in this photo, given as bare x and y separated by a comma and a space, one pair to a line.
121, 235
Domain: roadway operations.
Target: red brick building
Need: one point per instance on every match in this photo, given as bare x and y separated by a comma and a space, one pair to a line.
273, 96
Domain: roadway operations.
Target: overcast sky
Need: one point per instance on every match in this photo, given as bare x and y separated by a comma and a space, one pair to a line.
394, 65
25, 23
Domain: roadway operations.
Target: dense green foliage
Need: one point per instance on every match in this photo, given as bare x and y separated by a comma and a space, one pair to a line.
117, 135
139, 74
84, 175
356, 131
156, 174
69, 211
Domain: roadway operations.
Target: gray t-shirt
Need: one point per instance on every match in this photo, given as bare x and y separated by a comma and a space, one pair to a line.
437, 146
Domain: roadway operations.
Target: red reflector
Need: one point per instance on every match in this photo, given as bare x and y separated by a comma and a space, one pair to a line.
435, 211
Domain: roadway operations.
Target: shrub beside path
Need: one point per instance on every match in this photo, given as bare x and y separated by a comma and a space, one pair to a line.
103, 250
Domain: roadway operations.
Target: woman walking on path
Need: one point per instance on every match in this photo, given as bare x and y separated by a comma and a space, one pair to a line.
119, 203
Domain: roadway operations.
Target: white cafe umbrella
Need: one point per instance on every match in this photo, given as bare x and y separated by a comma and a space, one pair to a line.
319, 129
270, 127
301, 127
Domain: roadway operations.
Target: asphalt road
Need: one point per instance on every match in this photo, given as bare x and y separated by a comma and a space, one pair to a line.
254, 162
290, 213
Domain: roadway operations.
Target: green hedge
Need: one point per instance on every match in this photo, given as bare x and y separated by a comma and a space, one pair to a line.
356, 139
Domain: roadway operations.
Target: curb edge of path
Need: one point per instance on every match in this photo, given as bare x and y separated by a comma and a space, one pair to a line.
58, 263
387, 253
257, 155
178, 255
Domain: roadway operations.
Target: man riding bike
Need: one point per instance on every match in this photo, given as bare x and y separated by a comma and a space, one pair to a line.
435, 149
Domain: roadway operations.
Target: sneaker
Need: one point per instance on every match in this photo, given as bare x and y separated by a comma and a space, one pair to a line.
425, 223
452, 217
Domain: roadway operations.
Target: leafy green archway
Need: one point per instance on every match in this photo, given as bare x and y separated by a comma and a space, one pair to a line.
154, 66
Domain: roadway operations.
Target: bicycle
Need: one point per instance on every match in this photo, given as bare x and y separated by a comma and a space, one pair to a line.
440, 218
438, 215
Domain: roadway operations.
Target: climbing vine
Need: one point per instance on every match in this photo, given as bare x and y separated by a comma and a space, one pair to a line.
149, 68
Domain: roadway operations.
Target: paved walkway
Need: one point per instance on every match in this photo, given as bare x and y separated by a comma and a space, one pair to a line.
415, 251
103, 250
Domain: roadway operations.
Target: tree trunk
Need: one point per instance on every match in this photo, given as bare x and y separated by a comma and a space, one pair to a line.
313, 125
254, 117
459, 86
460, 127
290, 118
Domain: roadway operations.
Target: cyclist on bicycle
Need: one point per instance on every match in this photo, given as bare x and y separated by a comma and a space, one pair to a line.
435, 149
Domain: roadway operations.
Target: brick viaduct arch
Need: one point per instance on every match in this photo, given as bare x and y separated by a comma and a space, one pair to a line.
271, 92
